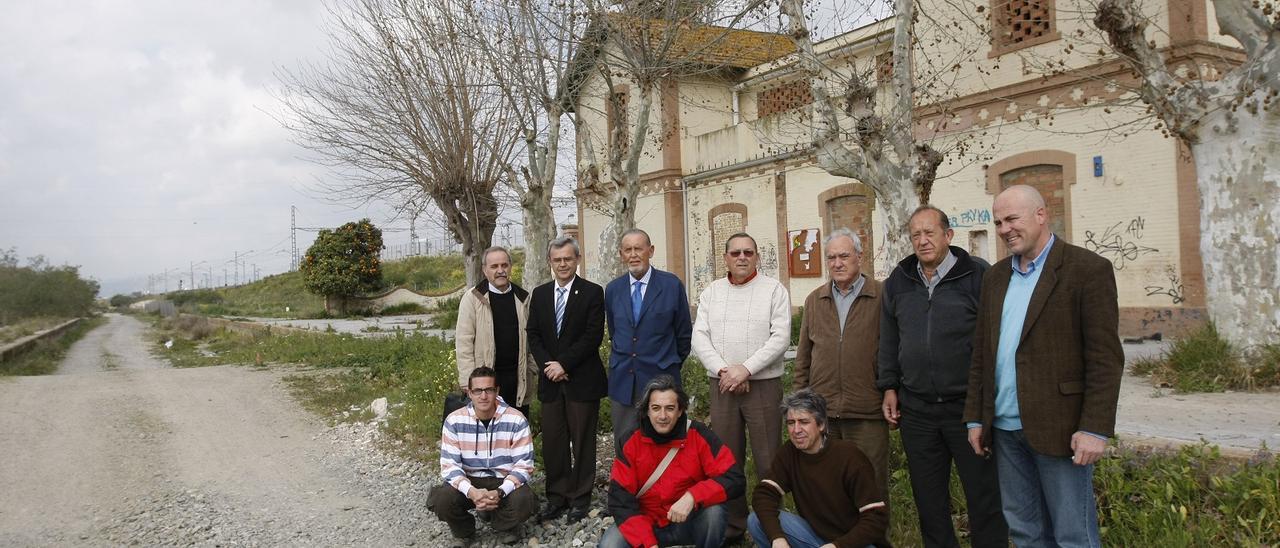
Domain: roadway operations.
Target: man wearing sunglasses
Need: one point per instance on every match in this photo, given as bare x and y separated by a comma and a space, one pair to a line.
742, 329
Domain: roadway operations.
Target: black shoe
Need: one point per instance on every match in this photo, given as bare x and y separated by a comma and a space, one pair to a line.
551, 512
576, 514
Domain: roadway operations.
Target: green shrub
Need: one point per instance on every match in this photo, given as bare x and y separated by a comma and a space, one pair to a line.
445, 313
795, 326
402, 309
1203, 361
41, 289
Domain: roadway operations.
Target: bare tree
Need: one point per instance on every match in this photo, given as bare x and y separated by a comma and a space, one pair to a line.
528, 47
400, 112
644, 44
1231, 124
878, 150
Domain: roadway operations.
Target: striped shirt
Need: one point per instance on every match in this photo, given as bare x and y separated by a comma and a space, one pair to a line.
501, 449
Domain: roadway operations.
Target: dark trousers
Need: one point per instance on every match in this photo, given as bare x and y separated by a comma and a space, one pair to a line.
933, 436
569, 450
452, 507
625, 417
509, 388
733, 416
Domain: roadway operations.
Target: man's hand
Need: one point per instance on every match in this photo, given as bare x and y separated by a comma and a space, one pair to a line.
781, 543
555, 372
1086, 448
681, 509
975, 441
732, 378
484, 499
890, 408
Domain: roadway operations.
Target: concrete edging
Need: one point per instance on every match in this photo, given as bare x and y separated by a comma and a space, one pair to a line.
26, 343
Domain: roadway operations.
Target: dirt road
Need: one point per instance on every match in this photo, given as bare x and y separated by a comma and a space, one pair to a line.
119, 448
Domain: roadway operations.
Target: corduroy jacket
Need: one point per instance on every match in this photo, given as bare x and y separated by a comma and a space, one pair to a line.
841, 367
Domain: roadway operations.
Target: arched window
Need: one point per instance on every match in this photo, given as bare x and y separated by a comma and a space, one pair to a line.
850, 206
1051, 172
726, 220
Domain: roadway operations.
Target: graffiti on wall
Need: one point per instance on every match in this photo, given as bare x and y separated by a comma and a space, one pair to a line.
971, 217
1173, 289
1118, 243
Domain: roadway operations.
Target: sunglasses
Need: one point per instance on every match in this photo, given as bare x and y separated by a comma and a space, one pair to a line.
740, 252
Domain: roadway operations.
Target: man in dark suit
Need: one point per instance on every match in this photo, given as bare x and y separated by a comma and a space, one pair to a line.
1046, 375
649, 324
566, 325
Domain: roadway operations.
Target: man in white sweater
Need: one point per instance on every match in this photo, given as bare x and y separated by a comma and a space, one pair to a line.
742, 329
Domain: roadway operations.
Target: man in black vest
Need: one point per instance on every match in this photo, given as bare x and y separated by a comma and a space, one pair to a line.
566, 325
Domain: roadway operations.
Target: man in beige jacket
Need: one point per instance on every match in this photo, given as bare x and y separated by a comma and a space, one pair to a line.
836, 356
491, 332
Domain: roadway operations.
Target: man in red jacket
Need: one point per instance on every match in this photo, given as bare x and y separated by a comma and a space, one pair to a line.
679, 502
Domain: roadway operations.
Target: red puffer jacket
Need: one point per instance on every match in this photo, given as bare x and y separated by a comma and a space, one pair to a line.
703, 467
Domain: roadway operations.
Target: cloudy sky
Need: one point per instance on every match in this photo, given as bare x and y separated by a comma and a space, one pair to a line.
137, 136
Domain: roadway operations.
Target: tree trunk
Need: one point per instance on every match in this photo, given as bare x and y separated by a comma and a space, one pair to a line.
539, 228
1239, 185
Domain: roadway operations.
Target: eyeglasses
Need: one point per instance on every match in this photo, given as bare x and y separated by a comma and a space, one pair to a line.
746, 252
486, 391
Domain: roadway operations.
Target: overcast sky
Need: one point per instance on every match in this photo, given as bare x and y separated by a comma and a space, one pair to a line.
137, 136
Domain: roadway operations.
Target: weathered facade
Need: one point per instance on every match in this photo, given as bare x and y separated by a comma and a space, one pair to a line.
733, 156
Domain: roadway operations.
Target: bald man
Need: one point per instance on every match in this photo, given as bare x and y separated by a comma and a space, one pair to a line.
1046, 374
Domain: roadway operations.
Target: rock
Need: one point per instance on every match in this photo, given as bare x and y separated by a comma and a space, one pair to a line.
379, 408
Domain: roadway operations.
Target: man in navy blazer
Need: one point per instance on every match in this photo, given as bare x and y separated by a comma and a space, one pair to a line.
650, 341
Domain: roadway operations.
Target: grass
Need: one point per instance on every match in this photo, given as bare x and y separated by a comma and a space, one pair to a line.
1205, 362
1190, 497
47, 355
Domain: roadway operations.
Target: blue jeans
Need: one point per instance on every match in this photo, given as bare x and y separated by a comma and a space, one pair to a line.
704, 529
1048, 501
794, 528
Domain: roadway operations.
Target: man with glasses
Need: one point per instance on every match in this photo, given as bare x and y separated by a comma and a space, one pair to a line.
486, 460
742, 329
566, 325
650, 327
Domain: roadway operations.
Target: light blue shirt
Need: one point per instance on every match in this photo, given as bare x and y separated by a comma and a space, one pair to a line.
1012, 318
644, 282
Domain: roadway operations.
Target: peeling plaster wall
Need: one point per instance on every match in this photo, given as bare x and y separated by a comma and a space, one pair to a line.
757, 193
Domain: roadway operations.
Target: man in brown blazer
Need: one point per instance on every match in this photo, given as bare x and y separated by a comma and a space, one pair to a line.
836, 355
1046, 374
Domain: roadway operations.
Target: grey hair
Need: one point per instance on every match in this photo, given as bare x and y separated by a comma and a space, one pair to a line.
662, 383
842, 231
946, 221
561, 242
632, 231
484, 257
807, 401
740, 235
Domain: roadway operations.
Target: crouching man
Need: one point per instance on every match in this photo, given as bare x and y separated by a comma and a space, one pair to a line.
670, 477
834, 486
486, 459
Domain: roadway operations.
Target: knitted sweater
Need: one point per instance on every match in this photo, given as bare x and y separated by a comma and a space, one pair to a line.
748, 324
501, 449
834, 491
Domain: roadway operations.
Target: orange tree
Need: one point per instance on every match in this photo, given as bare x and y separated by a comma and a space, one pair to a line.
344, 262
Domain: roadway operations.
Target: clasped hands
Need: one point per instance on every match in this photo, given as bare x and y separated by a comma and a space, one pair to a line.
555, 372
485, 499
733, 379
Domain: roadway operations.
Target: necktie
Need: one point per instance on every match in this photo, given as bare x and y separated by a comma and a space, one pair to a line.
560, 291
636, 300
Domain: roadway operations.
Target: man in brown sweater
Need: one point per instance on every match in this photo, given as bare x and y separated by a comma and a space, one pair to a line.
839, 341
831, 481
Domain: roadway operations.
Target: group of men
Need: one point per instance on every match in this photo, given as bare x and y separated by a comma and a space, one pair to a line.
963, 357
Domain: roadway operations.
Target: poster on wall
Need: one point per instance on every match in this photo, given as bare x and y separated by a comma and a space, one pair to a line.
805, 253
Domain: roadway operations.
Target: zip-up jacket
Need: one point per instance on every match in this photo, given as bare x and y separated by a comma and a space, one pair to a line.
502, 449
841, 365
926, 342
473, 339
703, 467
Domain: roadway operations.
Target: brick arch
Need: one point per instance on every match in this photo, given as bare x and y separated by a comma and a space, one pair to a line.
723, 221
850, 205
1052, 172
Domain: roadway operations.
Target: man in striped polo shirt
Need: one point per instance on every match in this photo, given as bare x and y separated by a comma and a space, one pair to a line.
486, 460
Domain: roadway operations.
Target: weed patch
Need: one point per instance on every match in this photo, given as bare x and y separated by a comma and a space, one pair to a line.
47, 355
1205, 362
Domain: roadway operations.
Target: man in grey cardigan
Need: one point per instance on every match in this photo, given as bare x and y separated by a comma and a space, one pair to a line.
742, 329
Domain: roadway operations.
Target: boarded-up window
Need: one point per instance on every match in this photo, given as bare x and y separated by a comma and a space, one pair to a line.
788, 96
854, 212
726, 220
1047, 179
